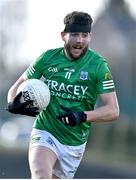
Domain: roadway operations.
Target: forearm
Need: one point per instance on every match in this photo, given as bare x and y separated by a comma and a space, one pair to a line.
12, 91
103, 114
11, 94
109, 111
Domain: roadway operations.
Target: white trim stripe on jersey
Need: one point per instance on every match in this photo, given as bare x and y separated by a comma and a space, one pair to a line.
108, 84
31, 70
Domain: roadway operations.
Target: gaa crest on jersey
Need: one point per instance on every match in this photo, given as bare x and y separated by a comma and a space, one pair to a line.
84, 75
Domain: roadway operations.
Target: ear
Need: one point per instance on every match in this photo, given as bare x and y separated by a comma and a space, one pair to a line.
63, 35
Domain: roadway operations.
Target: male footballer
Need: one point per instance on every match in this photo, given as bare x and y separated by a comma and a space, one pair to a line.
76, 76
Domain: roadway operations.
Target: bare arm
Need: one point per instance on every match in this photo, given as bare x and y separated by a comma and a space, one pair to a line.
14, 87
107, 112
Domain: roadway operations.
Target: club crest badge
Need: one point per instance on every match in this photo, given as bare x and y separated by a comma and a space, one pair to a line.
84, 75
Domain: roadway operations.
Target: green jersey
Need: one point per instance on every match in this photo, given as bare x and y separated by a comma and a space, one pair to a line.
74, 84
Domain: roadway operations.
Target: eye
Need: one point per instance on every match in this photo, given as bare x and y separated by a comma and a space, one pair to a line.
84, 35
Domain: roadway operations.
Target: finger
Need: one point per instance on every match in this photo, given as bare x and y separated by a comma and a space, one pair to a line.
30, 112
61, 116
35, 109
33, 113
65, 108
64, 119
18, 96
27, 102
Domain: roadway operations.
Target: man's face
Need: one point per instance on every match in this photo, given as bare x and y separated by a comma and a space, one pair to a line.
76, 44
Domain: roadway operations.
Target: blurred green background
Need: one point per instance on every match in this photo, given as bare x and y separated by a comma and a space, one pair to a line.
111, 149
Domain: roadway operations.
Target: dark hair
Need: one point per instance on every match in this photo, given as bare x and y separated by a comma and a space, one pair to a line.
77, 17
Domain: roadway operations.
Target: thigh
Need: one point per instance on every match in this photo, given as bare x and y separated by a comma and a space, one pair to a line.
41, 161
42, 154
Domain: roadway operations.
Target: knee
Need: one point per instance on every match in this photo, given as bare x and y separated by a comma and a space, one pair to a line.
40, 173
39, 170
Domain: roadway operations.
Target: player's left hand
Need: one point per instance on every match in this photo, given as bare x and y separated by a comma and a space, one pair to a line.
72, 118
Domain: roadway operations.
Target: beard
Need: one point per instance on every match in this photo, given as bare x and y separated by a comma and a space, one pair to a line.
71, 55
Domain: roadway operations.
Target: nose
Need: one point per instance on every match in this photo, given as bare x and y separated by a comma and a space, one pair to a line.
79, 38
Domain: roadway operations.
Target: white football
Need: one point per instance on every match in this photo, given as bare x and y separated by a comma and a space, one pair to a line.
36, 90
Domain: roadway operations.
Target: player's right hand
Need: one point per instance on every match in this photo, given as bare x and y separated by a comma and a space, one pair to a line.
17, 107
